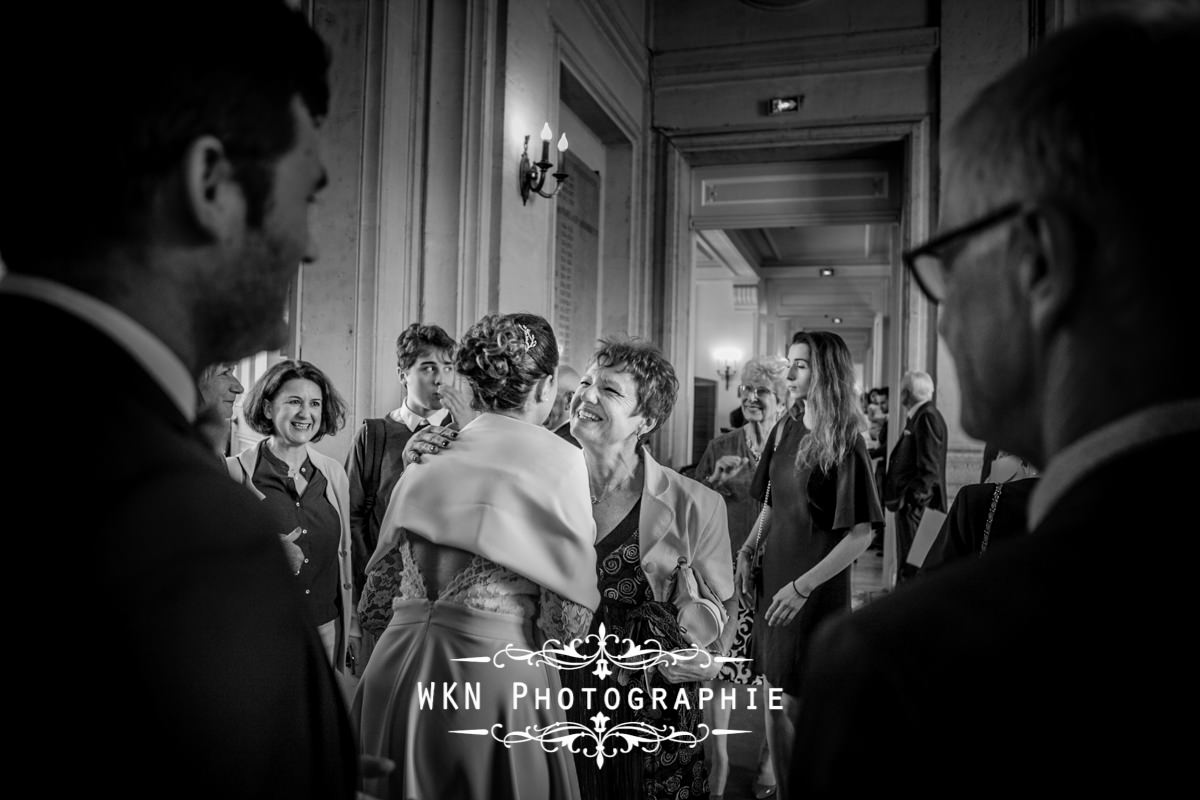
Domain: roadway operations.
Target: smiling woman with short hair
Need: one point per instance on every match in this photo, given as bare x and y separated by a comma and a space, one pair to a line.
647, 517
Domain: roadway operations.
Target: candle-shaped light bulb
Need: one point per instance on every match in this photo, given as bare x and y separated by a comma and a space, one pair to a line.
547, 135
562, 143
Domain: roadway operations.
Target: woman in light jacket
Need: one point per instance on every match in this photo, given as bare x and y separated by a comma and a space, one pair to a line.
293, 404
648, 517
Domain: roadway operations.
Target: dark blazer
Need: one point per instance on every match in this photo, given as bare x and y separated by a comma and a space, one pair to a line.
172, 653
916, 469
1061, 663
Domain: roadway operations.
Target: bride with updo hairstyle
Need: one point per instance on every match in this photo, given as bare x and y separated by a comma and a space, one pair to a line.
503, 355
488, 546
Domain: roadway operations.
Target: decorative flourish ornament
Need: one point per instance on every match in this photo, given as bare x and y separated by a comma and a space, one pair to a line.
599, 741
644, 656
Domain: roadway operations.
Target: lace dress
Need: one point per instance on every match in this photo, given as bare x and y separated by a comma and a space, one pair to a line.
405, 707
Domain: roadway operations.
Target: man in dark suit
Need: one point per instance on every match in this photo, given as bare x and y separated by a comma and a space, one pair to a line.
916, 469
1060, 663
159, 160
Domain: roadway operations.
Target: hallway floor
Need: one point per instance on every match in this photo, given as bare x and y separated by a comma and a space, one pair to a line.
866, 585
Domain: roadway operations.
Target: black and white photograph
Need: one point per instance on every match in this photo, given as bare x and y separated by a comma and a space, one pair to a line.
601, 399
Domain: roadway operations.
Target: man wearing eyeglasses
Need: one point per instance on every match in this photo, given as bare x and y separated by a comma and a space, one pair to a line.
1067, 279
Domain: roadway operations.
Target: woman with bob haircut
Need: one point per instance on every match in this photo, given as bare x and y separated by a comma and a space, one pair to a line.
484, 548
821, 510
294, 404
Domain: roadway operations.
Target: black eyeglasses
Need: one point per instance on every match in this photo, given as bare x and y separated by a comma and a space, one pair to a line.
759, 391
930, 262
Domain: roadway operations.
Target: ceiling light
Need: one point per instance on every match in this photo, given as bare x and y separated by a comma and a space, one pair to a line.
826, 272
837, 320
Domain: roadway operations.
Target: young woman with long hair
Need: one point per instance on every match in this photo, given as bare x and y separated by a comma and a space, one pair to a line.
821, 509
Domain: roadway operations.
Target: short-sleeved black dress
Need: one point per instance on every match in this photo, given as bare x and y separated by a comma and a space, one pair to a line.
811, 511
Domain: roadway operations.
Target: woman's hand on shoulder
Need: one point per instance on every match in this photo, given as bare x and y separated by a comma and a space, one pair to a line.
428, 442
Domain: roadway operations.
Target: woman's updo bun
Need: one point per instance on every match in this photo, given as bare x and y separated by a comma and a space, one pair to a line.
503, 355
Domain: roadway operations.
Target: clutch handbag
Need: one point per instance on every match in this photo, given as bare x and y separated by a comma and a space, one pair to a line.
700, 613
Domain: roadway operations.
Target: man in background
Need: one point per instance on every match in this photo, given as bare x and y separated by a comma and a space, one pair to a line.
1060, 664
916, 469
159, 162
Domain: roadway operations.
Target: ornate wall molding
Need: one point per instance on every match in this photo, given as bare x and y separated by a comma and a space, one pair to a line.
854, 52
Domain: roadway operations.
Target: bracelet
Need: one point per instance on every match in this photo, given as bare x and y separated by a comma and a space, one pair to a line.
798, 592
748, 552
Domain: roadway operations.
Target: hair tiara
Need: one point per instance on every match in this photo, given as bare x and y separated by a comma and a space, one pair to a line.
530, 339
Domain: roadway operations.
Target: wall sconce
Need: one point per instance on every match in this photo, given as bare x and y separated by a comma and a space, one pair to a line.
533, 176
727, 359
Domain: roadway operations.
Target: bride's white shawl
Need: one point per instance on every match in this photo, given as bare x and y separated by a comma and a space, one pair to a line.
512, 492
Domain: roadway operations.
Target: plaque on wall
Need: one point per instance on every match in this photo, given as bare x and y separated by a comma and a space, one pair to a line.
577, 262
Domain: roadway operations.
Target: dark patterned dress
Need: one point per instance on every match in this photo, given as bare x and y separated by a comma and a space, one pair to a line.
628, 609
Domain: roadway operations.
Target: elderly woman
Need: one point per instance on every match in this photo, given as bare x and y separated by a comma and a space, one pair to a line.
647, 517
294, 404
728, 465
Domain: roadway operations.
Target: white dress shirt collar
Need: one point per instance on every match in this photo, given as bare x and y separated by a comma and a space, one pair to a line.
166, 368
413, 420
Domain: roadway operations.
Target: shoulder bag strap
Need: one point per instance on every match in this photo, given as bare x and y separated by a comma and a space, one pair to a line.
987, 526
767, 498
373, 459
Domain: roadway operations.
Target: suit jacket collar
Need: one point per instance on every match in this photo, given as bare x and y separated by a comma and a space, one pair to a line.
1097, 448
159, 362
98, 357
917, 409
